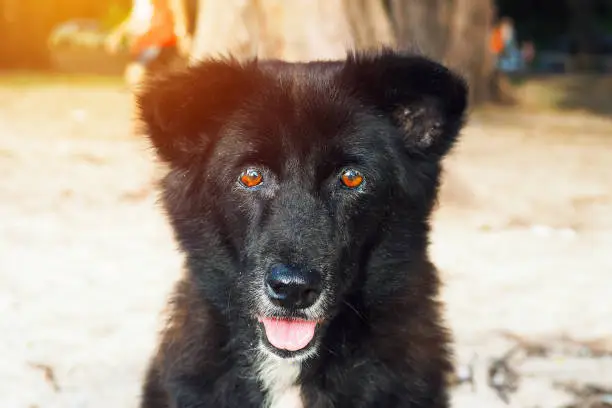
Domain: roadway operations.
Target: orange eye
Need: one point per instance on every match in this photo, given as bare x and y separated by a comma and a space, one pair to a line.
351, 178
251, 178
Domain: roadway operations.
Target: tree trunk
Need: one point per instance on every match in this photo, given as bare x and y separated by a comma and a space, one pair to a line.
225, 28
468, 45
423, 25
370, 24
304, 29
451, 31
455, 32
292, 30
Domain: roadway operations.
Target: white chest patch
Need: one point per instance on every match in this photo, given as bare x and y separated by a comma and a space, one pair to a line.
279, 378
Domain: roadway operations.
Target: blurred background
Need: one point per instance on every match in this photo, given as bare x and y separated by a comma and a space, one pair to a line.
522, 235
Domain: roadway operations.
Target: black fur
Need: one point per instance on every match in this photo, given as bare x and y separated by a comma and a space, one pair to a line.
382, 342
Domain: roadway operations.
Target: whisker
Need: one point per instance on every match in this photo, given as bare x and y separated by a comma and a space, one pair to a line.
355, 310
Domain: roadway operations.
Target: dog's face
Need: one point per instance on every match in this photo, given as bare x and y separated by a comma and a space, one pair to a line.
286, 179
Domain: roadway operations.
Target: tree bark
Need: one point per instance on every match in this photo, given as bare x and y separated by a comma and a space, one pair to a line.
304, 29
455, 32
370, 23
452, 31
292, 30
468, 45
225, 28
422, 25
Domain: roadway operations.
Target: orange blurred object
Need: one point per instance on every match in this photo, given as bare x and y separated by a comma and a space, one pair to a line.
497, 40
160, 32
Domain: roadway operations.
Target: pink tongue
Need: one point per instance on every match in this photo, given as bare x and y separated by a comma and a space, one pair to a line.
288, 334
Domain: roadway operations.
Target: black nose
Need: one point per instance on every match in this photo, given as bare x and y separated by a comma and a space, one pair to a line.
293, 288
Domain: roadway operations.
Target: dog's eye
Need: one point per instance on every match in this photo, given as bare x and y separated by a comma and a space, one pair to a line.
351, 178
251, 178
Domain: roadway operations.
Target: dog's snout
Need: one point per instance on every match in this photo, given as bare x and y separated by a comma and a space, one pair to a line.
293, 288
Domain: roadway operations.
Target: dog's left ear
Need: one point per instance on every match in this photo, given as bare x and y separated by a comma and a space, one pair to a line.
425, 100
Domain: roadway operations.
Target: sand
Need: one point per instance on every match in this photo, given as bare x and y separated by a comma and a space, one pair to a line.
522, 237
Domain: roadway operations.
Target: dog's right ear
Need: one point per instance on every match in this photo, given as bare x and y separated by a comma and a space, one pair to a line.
182, 112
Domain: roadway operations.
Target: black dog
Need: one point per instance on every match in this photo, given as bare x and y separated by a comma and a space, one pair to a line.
300, 195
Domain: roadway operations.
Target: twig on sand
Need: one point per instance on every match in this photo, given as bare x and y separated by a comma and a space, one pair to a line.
587, 395
537, 357
502, 377
49, 374
562, 345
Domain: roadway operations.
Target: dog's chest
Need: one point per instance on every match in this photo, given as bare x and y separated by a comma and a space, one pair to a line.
279, 379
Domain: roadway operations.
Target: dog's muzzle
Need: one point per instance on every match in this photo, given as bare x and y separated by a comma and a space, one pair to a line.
292, 290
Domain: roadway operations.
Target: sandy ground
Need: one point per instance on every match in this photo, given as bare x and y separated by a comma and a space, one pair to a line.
522, 238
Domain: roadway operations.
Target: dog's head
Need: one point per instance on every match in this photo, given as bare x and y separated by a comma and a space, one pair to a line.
297, 190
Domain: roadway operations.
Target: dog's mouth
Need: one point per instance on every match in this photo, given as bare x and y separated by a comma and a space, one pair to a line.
287, 333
